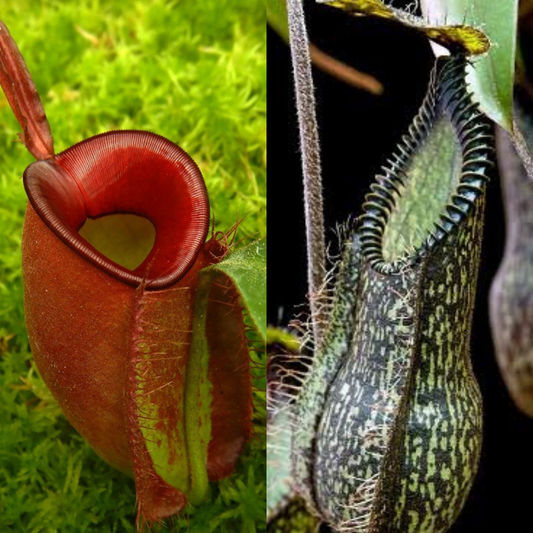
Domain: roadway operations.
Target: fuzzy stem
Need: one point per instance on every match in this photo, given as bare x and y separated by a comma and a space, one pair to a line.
309, 145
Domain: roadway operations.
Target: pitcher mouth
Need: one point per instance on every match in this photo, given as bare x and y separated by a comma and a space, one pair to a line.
447, 105
125, 172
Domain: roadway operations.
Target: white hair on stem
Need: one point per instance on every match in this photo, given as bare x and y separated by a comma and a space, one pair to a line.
309, 145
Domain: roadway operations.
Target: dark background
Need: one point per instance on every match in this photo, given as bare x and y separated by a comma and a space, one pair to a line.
502, 496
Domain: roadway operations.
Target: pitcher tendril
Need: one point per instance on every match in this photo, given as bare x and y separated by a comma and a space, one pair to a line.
309, 145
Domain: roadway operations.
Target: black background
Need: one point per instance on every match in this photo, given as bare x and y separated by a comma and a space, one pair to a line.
502, 496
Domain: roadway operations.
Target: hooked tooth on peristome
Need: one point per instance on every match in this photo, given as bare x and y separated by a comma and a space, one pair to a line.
134, 172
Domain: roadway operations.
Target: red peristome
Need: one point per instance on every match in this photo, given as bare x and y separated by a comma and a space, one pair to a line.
23, 98
129, 171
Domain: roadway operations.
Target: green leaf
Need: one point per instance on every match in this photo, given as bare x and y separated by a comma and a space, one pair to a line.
470, 25
247, 269
491, 76
470, 40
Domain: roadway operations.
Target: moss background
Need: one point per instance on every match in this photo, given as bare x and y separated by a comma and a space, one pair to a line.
195, 73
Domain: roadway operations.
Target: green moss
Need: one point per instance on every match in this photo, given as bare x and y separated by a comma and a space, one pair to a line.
195, 73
